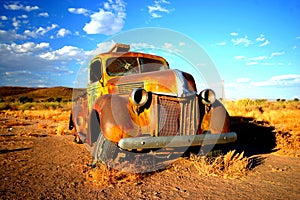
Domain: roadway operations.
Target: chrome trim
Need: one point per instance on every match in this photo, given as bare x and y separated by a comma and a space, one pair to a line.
126, 88
176, 141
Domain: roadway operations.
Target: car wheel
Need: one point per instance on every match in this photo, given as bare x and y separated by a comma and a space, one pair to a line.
104, 151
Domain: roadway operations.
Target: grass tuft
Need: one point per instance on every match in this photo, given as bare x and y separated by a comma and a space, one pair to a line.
231, 165
104, 176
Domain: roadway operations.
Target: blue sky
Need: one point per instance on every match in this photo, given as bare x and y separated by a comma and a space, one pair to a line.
255, 45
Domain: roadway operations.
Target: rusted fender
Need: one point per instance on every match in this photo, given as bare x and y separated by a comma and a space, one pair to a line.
115, 120
215, 118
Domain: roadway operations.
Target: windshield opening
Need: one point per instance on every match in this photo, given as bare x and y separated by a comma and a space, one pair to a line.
121, 66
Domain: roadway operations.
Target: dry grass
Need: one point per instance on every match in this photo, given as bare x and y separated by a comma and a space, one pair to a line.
283, 115
231, 165
49, 114
16, 106
52, 119
104, 176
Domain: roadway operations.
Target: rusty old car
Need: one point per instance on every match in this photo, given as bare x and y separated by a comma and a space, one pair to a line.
135, 102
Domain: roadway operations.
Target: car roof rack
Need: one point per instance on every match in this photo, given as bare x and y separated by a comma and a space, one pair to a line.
120, 48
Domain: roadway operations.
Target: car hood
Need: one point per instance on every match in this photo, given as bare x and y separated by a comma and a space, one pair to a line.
170, 82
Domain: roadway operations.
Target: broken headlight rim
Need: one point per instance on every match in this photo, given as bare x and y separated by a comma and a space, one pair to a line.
208, 96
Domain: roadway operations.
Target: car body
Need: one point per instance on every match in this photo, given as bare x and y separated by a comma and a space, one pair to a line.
134, 100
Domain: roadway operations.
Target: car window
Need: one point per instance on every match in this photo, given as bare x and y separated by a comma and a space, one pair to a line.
150, 65
132, 65
95, 71
122, 66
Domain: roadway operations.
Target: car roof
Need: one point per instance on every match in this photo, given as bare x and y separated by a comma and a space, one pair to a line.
128, 54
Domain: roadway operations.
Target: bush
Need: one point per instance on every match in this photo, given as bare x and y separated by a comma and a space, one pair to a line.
51, 99
25, 99
58, 99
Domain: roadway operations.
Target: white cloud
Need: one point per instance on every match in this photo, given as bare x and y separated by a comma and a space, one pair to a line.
4, 18
221, 43
22, 72
280, 80
181, 44
258, 58
23, 17
63, 32
43, 31
261, 38
234, 34
17, 6
239, 57
106, 6
40, 62
44, 14
16, 23
265, 43
103, 47
27, 47
141, 45
243, 80
170, 47
9, 36
40, 31
241, 41
251, 63
79, 11
157, 9
109, 20
277, 54
66, 53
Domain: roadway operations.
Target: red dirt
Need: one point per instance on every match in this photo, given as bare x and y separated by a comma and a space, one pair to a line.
37, 164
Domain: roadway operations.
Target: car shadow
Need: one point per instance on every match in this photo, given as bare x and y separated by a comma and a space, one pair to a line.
253, 137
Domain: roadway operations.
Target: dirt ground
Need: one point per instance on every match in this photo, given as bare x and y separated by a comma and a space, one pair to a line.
36, 163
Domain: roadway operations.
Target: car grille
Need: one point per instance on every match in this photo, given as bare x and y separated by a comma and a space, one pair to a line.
177, 116
128, 87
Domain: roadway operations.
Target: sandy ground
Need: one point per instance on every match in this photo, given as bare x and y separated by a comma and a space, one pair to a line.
37, 164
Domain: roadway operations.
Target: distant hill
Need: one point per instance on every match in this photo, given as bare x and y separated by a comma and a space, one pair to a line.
10, 91
36, 93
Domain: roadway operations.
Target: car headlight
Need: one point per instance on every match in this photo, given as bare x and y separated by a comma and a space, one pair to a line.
208, 96
139, 97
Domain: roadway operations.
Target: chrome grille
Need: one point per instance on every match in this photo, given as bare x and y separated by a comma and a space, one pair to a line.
189, 118
178, 116
128, 87
169, 115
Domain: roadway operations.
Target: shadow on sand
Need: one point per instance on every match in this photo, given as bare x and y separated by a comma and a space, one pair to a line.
254, 137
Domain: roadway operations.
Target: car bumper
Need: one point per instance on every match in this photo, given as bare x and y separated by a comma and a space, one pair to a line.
176, 141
